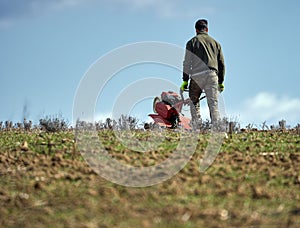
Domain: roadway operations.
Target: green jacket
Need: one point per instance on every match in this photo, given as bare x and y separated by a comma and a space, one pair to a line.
210, 57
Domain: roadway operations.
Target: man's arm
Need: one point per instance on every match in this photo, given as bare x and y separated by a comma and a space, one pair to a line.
221, 66
187, 63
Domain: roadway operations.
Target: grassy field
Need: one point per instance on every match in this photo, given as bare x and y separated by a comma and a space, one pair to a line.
254, 181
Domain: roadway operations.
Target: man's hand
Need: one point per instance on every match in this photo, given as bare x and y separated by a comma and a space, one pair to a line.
221, 88
184, 85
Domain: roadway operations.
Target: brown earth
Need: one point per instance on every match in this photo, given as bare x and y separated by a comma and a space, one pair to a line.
254, 181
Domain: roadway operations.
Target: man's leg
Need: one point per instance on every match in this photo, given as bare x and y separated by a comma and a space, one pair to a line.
212, 93
194, 94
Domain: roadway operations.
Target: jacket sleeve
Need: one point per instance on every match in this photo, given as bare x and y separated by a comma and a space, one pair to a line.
187, 63
221, 66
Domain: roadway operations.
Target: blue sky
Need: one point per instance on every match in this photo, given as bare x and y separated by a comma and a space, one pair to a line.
48, 46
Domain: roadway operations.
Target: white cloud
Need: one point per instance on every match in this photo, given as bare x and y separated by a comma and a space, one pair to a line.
5, 23
166, 8
61, 4
102, 116
268, 107
11, 11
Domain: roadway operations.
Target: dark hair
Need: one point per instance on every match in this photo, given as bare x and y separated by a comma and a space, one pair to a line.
201, 24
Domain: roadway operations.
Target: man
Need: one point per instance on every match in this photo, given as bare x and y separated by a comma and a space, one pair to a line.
204, 66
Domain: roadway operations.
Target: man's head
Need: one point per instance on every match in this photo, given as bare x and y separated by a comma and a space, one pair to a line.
201, 25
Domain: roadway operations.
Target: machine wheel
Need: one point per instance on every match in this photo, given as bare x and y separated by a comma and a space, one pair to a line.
155, 101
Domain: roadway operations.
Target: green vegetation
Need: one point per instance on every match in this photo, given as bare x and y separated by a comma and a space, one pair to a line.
254, 181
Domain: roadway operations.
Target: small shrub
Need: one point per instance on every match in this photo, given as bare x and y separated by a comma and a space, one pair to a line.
127, 122
53, 124
27, 124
